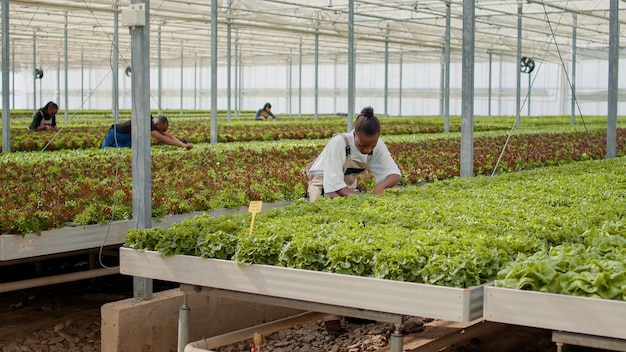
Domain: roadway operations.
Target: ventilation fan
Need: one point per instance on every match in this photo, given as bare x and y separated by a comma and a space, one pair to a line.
127, 72
38, 73
527, 64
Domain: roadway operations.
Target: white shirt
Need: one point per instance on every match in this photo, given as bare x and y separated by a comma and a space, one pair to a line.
329, 163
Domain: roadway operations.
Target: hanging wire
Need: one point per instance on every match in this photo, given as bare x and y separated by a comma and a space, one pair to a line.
569, 82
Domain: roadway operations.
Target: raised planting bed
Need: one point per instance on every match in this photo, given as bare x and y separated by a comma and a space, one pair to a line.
72, 238
584, 315
389, 296
577, 288
419, 247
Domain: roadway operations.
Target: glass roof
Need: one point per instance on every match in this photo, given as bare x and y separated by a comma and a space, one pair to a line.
273, 32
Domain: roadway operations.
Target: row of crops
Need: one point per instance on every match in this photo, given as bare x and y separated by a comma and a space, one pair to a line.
46, 190
87, 130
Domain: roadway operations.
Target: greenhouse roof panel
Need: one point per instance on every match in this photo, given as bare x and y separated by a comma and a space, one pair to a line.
267, 32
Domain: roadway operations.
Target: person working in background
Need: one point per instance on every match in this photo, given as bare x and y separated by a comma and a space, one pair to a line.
265, 112
45, 119
119, 135
334, 174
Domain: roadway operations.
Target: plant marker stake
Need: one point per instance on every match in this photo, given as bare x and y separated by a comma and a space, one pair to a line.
254, 207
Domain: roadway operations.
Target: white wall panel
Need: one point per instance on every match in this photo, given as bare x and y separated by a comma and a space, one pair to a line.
268, 83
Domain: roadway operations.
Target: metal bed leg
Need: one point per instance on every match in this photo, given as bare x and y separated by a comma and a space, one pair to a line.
559, 347
396, 340
183, 325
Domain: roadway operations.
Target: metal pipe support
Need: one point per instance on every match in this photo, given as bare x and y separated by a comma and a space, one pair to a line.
396, 340
183, 326
56, 279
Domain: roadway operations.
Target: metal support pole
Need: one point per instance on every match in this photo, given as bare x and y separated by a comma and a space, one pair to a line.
529, 91
400, 88
351, 64
240, 80
489, 93
396, 340
34, 73
300, 82
519, 72
160, 71
335, 85
317, 56
228, 64
613, 85
442, 84
183, 325
6, 121
559, 347
573, 99
500, 84
82, 77
65, 56
57, 97
40, 92
290, 83
140, 137
387, 72
236, 79
446, 79
13, 76
467, 91
116, 66
182, 76
213, 71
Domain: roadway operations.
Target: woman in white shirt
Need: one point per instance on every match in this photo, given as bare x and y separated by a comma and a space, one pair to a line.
334, 172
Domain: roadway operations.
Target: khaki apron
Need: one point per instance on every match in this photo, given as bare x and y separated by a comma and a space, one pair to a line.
45, 122
351, 170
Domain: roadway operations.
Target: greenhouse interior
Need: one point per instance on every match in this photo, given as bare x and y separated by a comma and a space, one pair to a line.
504, 117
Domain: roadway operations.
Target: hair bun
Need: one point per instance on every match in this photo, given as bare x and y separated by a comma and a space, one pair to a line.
367, 111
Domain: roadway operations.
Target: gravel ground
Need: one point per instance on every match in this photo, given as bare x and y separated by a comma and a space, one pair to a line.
63, 317
66, 317
312, 337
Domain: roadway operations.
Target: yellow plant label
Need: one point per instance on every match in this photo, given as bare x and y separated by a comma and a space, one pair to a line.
254, 207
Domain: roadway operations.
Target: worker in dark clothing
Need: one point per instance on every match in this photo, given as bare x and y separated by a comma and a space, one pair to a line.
119, 135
